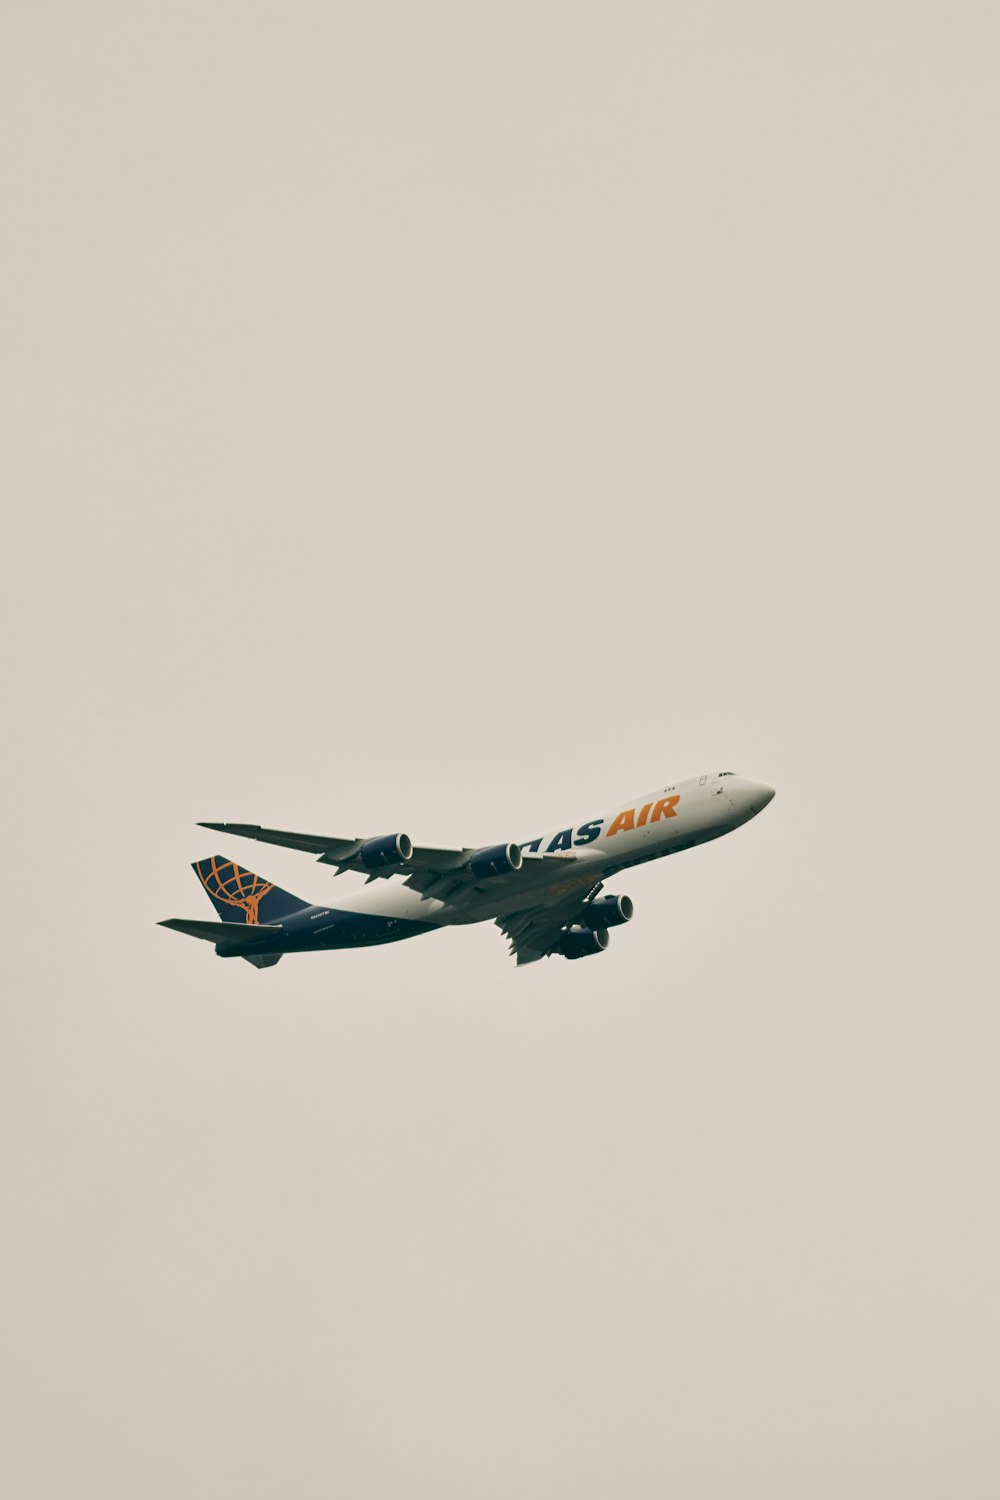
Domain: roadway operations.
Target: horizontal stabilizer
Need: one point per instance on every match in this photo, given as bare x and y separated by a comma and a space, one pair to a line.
229, 934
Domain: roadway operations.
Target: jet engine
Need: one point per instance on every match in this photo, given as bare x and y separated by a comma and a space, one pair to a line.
499, 859
581, 942
382, 853
607, 911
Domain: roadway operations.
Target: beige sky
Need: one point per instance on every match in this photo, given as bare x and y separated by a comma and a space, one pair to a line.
455, 419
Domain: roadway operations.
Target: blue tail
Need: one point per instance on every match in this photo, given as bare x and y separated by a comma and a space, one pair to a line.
239, 895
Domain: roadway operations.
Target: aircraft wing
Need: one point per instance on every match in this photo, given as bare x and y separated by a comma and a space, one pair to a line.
535, 932
341, 852
441, 872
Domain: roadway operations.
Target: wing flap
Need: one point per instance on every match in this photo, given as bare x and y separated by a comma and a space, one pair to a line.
534, 932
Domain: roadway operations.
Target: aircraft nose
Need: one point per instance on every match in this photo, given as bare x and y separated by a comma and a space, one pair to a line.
760, 795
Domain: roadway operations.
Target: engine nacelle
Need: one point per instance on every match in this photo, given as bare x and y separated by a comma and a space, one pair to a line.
382, 853
581, 942
499, 859
607, 911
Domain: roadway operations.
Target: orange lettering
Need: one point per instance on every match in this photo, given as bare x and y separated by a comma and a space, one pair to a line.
624, 820
665, 808
644, 815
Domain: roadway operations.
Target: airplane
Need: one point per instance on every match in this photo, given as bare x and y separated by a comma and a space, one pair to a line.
545, 894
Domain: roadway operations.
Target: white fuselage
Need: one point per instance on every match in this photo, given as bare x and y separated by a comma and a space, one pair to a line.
665, 821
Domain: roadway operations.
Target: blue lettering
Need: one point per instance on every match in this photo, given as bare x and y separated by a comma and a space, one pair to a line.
588, 833
533, 846
561, 841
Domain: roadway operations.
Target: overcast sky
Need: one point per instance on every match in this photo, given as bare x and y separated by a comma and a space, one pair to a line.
455, 419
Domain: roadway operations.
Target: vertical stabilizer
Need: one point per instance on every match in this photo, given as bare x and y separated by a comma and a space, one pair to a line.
239, 895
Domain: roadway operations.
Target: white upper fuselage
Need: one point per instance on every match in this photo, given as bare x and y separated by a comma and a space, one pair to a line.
651, 826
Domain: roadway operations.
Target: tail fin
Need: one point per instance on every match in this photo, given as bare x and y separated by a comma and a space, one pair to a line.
239, 895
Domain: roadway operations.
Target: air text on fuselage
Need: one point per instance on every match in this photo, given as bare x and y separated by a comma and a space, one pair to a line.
626, 821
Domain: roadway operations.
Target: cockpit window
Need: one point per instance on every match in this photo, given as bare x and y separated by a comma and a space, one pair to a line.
727, 773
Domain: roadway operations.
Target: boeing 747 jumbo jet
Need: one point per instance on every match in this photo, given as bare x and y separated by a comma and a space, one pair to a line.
546, 895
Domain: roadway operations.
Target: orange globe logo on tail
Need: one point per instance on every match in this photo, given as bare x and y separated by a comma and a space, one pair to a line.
227, 882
